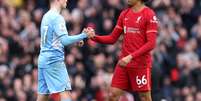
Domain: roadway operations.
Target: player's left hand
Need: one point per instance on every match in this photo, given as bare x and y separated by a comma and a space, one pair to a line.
124, 61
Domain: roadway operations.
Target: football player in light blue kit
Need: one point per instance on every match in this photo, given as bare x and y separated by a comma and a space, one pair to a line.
52, 73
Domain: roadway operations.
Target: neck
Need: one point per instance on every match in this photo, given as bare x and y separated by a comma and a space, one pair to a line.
138, 6
55, 7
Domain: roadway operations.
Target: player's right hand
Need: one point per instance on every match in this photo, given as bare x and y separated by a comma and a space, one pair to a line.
90, 32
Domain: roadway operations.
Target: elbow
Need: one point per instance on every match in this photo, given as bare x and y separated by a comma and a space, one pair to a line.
65, 41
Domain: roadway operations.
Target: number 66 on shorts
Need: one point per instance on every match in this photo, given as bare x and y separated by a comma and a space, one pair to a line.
140, 79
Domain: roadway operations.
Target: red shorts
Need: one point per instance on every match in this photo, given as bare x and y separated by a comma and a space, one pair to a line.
132, 79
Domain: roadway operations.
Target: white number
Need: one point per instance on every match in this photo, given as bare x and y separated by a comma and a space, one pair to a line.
144, 80
141, 81
138, 81
44, 38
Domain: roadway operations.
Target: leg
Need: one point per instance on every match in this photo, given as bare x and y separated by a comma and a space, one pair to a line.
145, 96
141, 82
42, 87
42, 97
120, 83
115, 94
58, 81
65, 96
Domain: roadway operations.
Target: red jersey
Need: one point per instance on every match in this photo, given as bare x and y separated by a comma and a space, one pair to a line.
139, 31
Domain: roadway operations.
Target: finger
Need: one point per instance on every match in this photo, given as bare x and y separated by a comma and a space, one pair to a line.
89, 28
91, 34
85, 30
120, 63
123, 64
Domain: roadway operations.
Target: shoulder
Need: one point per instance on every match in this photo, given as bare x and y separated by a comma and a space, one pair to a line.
124, 11
148, 11
53, 16
57, 19
150, 15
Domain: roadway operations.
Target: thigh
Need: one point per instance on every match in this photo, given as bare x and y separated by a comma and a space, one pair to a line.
42, 86
145, 96
115, 94
57, 78
65, 95
42, 97
120, 79
140, 79
116, 91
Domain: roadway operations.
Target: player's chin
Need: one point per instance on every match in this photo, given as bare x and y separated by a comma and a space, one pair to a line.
64, 6
130, 5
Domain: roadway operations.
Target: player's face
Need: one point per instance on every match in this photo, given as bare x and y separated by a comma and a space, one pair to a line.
132, 2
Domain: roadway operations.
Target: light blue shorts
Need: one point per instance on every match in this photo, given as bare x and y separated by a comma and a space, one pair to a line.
53, 79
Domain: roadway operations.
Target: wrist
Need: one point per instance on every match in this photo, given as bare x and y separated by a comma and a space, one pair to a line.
85, 34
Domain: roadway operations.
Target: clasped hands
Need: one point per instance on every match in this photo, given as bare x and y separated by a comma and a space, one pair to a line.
90, 32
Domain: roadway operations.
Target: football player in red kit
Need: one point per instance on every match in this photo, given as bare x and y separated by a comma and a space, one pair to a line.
133, 71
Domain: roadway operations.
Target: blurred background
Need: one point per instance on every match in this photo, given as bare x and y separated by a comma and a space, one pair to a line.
176, 72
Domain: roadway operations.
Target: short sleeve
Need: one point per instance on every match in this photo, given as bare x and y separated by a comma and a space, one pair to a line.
60, 26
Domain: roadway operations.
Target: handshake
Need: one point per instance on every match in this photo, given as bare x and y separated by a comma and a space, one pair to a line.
90, 32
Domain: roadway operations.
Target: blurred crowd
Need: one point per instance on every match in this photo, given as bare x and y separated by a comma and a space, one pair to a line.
176, 71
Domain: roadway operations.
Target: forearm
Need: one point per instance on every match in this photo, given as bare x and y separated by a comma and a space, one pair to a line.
109, 39
66, 40
146, 47
104, 39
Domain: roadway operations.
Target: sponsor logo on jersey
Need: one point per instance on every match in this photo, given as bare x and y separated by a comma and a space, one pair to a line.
154, 19
133, 30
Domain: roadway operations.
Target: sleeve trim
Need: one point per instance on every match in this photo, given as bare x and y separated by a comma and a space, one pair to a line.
119, 27
152, 31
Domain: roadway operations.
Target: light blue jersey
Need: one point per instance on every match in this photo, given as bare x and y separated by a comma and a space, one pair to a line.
54, 36
52, 72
